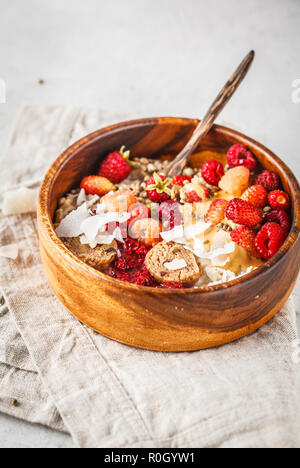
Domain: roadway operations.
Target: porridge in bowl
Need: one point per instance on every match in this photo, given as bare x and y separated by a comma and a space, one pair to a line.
208, 225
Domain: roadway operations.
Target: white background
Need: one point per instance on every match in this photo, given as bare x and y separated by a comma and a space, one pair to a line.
151, 58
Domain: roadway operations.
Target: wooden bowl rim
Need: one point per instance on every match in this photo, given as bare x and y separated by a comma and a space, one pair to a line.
47, 183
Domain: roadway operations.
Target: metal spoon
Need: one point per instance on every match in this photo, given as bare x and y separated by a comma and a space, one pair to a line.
176, 167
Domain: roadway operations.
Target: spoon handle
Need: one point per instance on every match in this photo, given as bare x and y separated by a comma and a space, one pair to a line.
177, 166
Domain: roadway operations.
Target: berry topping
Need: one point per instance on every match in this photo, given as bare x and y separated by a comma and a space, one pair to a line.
172, 285
279, 200
193, 197
158, 188
256, 195
216, 212
119, 201
130, 266
170, 214
281, 217
269, 180
269, 240
143, 278
194, 192
242, 212
235, 181
116, 166
132, 253
245, 237
181, 180
212, 172
240, 155
96, 185
147, 230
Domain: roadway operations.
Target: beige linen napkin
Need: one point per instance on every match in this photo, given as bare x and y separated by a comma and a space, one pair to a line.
245, 394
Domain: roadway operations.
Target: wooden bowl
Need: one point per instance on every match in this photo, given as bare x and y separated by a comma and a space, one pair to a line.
158, 319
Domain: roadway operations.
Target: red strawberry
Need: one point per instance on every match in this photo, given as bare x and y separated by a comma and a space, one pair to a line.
212, 172
193, 197
279, 200
158, 188
170, 214
281, 217
270, 180
194, 192
116, 166
180, 180
245, 237
256, 195
96, 185
216, 212
269, 240
240, 155
242, 212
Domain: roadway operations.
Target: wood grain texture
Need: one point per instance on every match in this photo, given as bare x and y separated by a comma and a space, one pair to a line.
176, 167
157, 319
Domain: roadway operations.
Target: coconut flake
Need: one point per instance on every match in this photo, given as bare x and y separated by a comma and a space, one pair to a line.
176, 264
194, 230
91, 200
70, 226
227, 249
9, 251
92, 225
219, 275
81, 197
220, 249
118, 235
106, 239
20, 201
176, 235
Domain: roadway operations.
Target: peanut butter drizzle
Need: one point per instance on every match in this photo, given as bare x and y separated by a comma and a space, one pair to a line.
239, 260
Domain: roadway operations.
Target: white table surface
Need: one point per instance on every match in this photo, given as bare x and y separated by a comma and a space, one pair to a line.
151, 57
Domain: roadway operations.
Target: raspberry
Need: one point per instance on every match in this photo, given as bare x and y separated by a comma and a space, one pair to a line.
240, 155
130, 266
180, 180
212, 172
269, 240
132, 255
242, 212
170, 214
172, 286
270, 180
158, 188
216, 212
279, 200
280, 217
116, 166
256, 195
96, 185
245, 237
143, 278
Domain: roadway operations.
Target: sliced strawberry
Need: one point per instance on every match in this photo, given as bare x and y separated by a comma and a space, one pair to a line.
96, 185
216, 212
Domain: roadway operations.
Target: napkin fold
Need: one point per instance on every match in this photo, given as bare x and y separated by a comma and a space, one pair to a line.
57, 372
